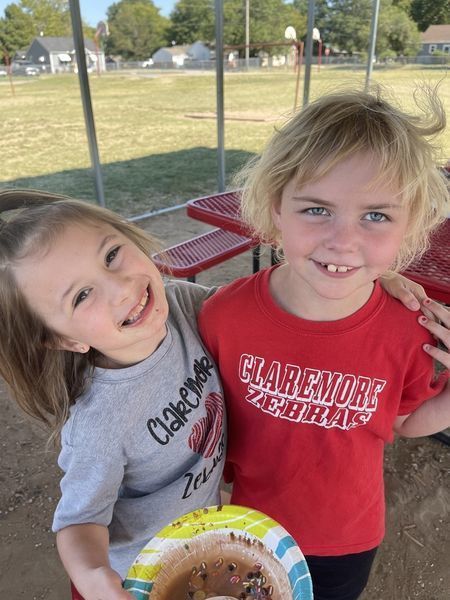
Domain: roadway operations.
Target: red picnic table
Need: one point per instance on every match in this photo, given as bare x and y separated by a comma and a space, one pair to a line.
432, 270
222, 210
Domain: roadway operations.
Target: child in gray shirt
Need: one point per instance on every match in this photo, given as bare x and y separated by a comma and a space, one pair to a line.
96, 346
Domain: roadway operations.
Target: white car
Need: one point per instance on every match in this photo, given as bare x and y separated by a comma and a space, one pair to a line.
33, 71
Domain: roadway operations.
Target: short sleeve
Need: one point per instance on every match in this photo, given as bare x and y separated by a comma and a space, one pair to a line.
422, 384
89, 487
190, 296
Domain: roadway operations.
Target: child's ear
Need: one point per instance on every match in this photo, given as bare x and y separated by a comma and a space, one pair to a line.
276, 211
71, 345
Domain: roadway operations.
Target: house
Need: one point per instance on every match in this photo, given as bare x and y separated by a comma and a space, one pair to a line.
20, 54
177, 55
57, 54
198, 51
435, 39
173, 56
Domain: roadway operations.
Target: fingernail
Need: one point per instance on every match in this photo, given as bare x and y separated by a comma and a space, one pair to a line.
422, 319
426, 347
427, 301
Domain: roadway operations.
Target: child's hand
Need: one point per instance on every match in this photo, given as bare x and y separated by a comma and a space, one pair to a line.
409, 293
439, 326
103, 583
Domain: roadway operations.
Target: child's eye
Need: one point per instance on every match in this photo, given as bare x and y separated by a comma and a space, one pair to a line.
81, 297
316, 210
376, 217
111, 255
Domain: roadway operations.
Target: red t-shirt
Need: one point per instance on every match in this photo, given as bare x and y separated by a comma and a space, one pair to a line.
310, 407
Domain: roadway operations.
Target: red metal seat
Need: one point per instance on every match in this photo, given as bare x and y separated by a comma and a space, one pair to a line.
432, 270
189, 258
219, 210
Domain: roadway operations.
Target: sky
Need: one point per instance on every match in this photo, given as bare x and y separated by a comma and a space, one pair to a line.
93, 11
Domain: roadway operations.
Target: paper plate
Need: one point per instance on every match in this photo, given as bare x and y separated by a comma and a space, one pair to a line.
213, 538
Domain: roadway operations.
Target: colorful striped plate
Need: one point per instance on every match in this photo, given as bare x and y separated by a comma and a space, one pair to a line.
243, 523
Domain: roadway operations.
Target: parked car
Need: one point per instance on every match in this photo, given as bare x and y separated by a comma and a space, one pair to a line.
146, 64
32, 71
3, 73
25, 68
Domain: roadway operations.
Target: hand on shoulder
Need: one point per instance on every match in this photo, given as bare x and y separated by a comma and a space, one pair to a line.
409, 293
438, 324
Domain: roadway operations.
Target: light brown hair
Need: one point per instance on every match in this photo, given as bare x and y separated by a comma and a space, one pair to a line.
45, 381
336, 127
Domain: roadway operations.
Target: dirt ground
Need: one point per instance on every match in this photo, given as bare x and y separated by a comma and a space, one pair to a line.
414, 559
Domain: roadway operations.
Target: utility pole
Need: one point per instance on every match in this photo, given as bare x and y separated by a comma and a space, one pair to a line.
372, 42
247, 34
308, 51
219, 96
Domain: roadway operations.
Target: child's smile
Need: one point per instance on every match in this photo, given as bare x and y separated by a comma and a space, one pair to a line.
108, 294
339, 269
339, 234
140, 311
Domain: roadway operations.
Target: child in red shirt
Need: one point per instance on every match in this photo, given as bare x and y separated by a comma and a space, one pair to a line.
320, 366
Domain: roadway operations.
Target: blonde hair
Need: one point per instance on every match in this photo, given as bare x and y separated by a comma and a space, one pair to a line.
45, 381
341, 125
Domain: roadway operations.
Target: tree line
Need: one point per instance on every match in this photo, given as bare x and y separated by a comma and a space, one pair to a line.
137, 29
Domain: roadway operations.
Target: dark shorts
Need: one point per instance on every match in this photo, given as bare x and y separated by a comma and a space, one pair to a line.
340, 577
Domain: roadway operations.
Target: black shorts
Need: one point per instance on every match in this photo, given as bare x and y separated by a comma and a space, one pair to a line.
340, 577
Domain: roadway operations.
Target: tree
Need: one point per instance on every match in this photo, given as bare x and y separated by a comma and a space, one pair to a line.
349, 24
50, 17
136, 29
192, 21
430, 12
405, 5
297, 19
16, 31
30, 18
322, 17
269, 19
346, 25
397, 33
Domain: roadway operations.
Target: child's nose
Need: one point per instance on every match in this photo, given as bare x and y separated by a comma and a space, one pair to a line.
119, 288
343, 236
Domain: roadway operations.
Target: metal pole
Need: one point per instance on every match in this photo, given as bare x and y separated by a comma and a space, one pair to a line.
86, 97
219, 94
299, 50
308, 52
372, 41
156, 213
247, 33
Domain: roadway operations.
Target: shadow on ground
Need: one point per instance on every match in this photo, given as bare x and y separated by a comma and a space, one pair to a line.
132, 187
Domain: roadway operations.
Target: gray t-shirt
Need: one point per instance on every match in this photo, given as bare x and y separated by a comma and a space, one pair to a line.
146, 444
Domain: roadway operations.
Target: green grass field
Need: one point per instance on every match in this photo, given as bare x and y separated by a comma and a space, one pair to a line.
153, 153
